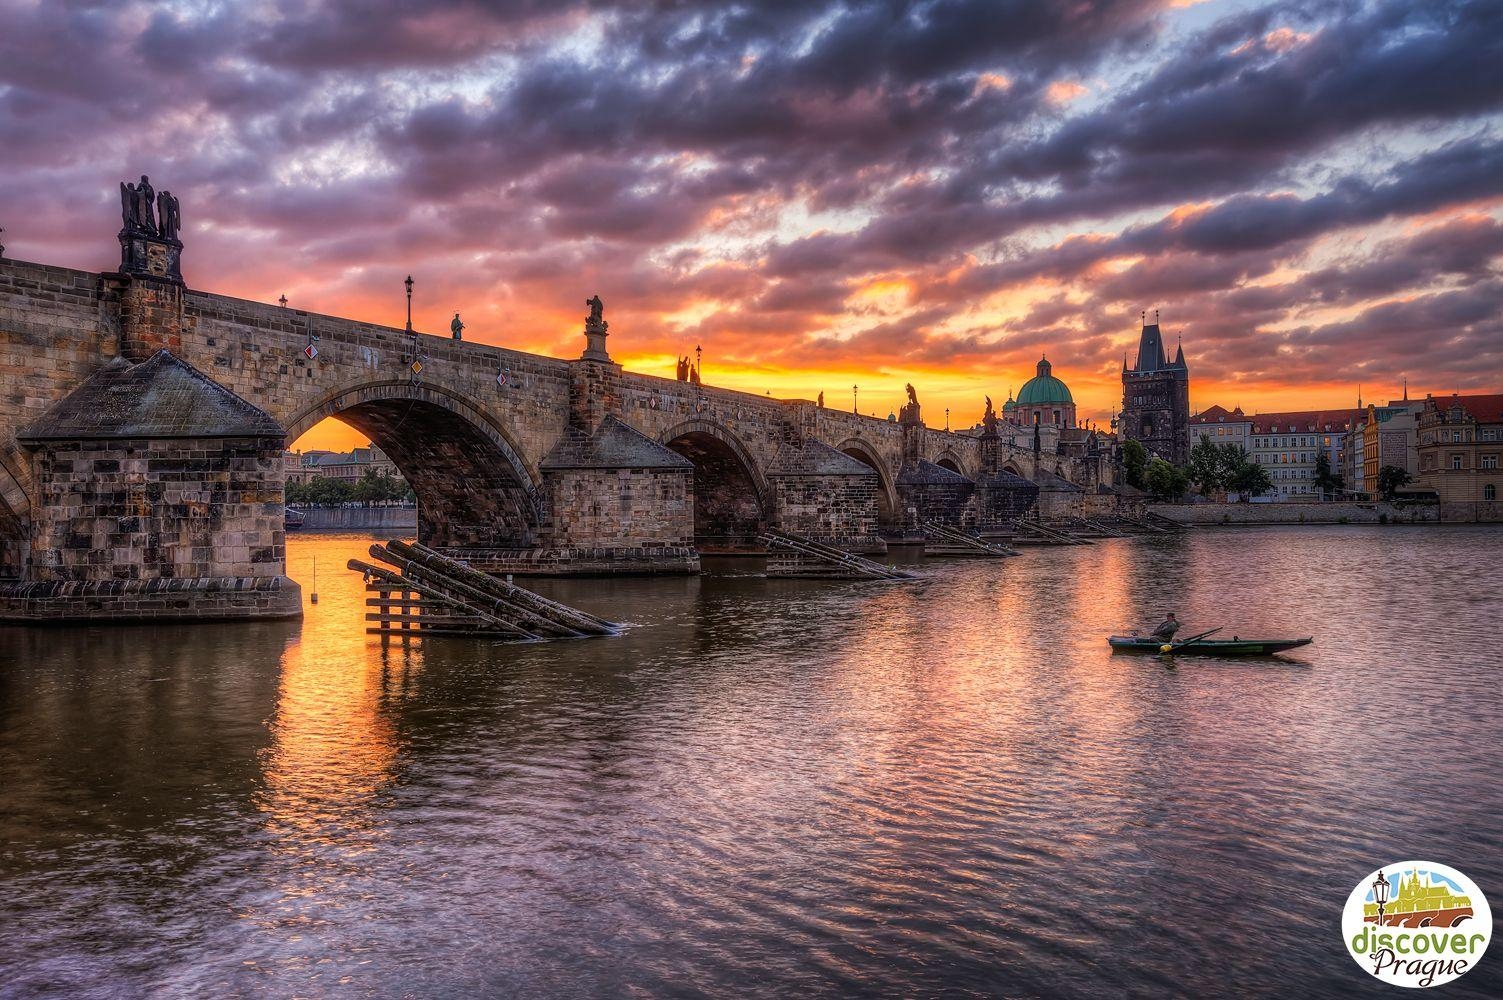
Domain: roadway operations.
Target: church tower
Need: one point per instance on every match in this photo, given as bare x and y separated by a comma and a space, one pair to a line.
1156, 397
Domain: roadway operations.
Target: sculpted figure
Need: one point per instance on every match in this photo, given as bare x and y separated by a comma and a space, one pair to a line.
597, 310
128, 205
167, 215
145, 197
821, 401
912, 396
456, 327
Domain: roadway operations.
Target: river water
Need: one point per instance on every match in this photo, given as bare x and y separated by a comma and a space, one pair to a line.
943, 787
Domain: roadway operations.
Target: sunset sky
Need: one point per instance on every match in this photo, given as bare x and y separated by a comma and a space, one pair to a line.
817, 194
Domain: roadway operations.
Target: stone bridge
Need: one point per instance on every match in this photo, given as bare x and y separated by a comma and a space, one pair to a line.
142, 424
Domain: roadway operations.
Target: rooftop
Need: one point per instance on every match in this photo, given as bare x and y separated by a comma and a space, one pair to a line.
161, 397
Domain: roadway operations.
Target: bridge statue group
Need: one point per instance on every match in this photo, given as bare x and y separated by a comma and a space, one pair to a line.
143, 425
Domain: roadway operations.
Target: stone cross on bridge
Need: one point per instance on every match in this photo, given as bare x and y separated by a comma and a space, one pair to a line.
142, 425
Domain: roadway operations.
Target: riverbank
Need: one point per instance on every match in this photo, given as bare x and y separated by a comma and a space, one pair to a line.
358, 518
1336, 512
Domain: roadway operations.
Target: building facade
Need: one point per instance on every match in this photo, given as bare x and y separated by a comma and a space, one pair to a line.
1156, 399
1389, 437
349, 466
1222, 426
1461, 455
1289, 446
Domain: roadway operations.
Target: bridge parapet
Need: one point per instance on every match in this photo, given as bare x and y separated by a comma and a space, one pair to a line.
546, 463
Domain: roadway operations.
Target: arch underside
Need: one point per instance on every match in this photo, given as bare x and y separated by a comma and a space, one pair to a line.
951, 463
728, 507
469, 493
14, 540
887, 513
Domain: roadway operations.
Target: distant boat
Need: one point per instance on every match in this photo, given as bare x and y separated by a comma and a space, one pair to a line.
1207, 647
294, 518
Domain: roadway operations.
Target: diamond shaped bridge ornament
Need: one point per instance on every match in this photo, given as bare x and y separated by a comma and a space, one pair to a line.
311, 352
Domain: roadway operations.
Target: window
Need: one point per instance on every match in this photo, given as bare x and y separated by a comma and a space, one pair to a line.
1456, 461
1489, 461
1489, 492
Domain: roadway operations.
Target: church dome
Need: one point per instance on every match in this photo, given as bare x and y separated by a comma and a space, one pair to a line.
1011, 404
1044, 389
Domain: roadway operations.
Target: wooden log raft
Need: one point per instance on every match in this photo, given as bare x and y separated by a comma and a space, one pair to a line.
453, 598
791, 555
941, 539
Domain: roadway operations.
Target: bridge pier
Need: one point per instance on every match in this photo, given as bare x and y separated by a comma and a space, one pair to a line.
142, 421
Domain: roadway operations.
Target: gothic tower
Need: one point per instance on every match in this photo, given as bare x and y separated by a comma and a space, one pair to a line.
1156, 398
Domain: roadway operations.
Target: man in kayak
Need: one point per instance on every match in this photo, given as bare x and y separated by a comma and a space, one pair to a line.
1167, 628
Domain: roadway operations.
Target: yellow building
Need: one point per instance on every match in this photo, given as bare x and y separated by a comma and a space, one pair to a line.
1461, 455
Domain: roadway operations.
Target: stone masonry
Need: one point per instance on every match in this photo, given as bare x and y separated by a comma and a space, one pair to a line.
510, 453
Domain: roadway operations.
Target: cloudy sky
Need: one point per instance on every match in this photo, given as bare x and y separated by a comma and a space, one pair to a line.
817, 194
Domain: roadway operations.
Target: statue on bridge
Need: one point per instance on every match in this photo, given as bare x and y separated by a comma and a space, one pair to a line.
821, 400
596, 319
456, 328
989, 418
136, 201
168, 218
909, 412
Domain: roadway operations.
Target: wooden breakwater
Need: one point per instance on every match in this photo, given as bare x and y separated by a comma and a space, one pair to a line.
420, 590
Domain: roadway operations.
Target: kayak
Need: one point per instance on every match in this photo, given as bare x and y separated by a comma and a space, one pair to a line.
1204, 647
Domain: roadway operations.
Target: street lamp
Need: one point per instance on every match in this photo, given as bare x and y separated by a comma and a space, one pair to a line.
853, 401
699, 361
1380, 893
408, 283
282, 302
947, 418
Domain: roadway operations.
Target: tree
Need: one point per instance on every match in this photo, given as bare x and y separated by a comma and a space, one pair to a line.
1325, 480
1251, 480
1134, 461
1391, 479
1207, 468
1164, 481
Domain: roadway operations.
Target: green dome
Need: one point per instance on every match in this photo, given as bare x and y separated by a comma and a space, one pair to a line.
1044, 389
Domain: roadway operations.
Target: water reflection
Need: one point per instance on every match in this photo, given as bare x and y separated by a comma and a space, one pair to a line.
948, 786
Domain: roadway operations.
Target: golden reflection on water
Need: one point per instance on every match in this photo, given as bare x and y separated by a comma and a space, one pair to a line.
334, 745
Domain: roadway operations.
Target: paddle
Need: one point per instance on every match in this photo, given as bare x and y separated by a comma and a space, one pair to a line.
1173, 646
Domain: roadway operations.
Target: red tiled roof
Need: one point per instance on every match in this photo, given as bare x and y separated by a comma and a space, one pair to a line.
1218, 415
1303, 421
1485, 409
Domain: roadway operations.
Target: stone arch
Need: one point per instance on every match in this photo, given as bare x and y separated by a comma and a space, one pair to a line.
947, 459
888, 509
730, 493
1014, 468
15, 524
473, 486
15, 527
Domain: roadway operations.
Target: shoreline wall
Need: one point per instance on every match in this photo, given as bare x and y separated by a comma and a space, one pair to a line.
1336, 512
358, 518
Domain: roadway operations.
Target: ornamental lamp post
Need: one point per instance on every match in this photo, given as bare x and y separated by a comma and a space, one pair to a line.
408, 283
854, 408
947, 419
1380, 893
699, 361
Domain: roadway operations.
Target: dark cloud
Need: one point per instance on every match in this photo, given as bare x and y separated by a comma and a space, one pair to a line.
1287, 179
